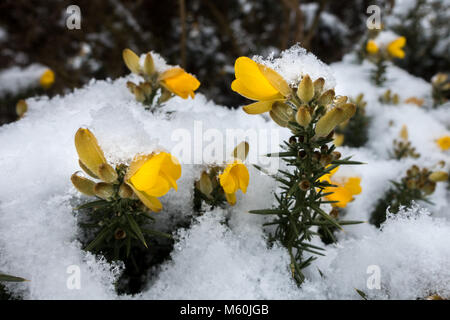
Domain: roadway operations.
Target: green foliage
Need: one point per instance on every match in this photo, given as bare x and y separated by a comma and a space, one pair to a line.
298, 209
415, 186
378, 74
120, 230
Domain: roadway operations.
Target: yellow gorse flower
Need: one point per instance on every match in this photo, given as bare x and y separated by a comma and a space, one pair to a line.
444, 143
179, 82
47, 79
395, 48
260, 83
234, 177
344, 191
371, 47
176, 79
152, 176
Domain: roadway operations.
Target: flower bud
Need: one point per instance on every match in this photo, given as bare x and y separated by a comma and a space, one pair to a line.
139, 94
404, 133
336, 155
205, 184
165, 95
303, 117
149, 66
438, 176
107, 173
104, 190
349, 110
89, 152
304, 185
318, 87
131, 60
305, 89
120, 234
340, 100
326, 98
84, 185
131, 86
395, 99
241, 151
146, 88
281, 113
86, 170
329, 121
439, 78
325, 160
429, 188
21, 108
125, 191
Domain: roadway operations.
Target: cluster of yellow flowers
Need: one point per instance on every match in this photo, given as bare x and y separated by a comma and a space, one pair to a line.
147, 177
393, 50
234, 177
151, 176
274, 95
172, 81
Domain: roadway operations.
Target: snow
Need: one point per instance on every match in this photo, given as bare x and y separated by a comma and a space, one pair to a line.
294, 63
223, 254
16, 79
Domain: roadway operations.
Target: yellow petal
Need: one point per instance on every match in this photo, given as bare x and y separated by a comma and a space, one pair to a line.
234, 177
179, 82
259, 107
231, 198
275, 80
47, 79
160, 187
395, 47
171, 167
444, 143
243, 176
342, 195
240, 87
147, 175
170, 73
154, 174
89, 152
251, 78
152, 203
371, 47
353, 185
228, 181
136, 164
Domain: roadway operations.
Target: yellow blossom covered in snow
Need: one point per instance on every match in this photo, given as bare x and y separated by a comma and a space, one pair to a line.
260, 83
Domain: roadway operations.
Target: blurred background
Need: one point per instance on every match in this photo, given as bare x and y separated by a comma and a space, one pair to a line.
203, 36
